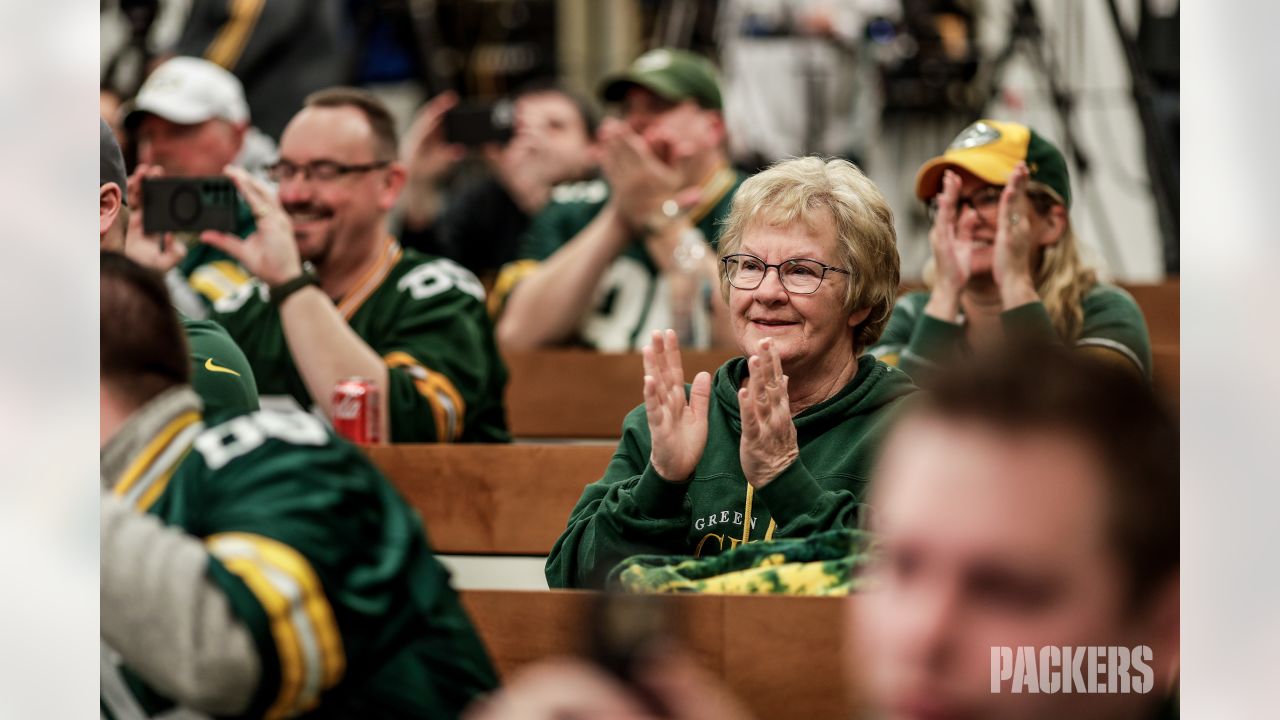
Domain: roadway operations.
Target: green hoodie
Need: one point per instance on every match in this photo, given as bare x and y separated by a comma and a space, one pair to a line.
633, 511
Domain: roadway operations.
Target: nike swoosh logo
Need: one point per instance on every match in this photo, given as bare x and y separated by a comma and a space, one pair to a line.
208, 365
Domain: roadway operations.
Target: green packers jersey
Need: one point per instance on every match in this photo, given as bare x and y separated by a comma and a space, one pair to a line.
426, 317
323, 562
220, 373
212, 273
632, 297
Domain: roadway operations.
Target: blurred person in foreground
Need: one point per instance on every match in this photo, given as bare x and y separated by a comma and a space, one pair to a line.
780, 443
334, 295
190, 118
597, 263
1030, 500
220, 373
1006, 261
255, 565
481, 226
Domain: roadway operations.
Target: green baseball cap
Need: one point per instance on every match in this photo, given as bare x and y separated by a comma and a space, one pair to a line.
991, 149
670, 74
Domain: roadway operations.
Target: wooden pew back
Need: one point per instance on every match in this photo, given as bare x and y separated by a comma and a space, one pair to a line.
783, 656
581, 393
492, 499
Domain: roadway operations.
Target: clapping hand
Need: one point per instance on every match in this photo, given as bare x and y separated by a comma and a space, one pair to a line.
768, 434
950, 256
1014, 243
639, 180
677, 426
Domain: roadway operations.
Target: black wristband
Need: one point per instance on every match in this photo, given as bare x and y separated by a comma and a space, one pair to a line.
282, 291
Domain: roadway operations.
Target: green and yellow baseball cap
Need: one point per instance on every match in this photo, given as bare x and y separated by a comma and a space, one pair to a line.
670, 74
991, 149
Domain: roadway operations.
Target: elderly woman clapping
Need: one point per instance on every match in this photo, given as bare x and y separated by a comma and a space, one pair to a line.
778, 443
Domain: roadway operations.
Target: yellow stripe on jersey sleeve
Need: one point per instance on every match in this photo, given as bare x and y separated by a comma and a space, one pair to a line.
446, 403
508, 277
150, 453
218, 279
302, 623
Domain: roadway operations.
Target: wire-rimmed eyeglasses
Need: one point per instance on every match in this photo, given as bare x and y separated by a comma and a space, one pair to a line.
802, 276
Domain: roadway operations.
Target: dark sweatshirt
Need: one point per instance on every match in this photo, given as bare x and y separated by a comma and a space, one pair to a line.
632, 510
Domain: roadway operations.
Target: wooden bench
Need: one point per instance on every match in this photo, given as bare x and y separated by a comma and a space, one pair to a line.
492, 499
783, 656
581, 393
1162, 308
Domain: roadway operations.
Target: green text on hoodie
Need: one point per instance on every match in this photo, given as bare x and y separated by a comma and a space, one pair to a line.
632, 510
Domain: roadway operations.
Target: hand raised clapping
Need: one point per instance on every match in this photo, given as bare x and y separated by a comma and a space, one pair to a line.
677, 426
768, 434
1014, 243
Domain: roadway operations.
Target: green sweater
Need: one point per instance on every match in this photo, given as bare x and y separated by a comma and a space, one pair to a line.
916, 342
633, 511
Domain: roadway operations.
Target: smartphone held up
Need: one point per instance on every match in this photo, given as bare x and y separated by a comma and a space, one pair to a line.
189, 204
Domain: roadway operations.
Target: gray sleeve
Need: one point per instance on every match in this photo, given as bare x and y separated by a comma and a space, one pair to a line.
167, 619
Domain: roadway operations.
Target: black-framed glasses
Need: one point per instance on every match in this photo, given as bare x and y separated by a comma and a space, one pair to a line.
322, 170
802, 276
985, 202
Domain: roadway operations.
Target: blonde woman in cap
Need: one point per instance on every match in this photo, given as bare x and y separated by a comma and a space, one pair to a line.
1005, 260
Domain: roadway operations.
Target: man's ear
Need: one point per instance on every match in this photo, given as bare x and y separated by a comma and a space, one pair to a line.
392, 185
716, 127
1055, 225
110, 200
238, 133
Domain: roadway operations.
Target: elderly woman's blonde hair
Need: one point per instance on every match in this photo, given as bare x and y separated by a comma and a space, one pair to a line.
816, 192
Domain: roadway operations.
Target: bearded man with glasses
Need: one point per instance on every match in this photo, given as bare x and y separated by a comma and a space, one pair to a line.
335, 296
779, 443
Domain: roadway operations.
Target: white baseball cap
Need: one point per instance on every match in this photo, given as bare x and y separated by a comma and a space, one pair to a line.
187, 91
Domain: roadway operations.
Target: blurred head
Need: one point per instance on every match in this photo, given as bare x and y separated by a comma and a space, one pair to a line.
1030, 500
338, 175
190, 117
823, 210
561, 126
671, 98
143, 349
113, 215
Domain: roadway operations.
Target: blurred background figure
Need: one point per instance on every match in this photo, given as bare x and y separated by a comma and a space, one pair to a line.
798, 78
480, 225
191, 117
1029, 500
282, 50
617, 247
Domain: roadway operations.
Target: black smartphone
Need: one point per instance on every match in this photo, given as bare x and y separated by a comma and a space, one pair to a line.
625, 631
479, 123
189, 204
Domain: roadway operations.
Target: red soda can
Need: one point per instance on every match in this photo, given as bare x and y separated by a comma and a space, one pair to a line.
356, 415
